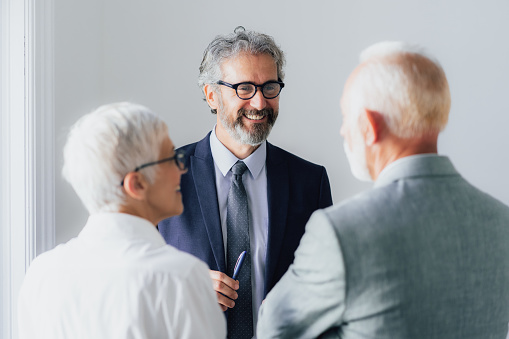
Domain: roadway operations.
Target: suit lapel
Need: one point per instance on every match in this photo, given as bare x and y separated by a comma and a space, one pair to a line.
277, 195
202, 165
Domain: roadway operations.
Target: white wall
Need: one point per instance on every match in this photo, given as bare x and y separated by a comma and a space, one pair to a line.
149, 52
78, 89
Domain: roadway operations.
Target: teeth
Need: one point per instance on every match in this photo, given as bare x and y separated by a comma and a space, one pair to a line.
178, 188
254, 117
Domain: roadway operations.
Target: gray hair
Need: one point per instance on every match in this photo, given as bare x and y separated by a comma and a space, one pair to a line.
106, 144
406, 85
224, 47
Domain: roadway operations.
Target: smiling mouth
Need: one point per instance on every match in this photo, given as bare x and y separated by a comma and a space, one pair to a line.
254, 116
178, 188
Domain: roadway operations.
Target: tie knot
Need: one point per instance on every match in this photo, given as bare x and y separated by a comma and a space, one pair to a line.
239, 168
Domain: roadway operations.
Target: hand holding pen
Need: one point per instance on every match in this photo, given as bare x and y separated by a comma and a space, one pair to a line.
226, 287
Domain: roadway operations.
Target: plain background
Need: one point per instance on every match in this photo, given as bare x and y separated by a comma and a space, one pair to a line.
149, 51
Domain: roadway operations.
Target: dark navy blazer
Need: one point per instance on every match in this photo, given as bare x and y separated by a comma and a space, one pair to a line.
295, 189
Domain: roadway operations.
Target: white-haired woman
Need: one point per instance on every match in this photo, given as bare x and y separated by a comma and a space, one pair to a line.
118, 278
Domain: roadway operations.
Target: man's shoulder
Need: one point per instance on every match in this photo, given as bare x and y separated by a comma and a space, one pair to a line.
275, 152
190, 149
366, 209
356, 204
411, 198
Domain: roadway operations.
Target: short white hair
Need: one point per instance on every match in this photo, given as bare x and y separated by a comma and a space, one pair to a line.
106, 144
404, 84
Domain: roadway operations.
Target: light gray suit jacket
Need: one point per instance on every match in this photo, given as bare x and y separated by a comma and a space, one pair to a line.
422, 255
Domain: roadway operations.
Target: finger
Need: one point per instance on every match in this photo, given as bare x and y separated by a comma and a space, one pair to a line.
225, 290
225, 279
224, 302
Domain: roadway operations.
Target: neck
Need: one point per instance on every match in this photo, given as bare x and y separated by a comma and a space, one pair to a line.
241, 151
394, 148
139, 210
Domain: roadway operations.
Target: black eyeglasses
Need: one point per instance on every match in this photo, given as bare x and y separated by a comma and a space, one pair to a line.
247, 90
179, 158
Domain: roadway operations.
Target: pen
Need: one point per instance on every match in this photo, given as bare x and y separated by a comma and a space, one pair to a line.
238, 265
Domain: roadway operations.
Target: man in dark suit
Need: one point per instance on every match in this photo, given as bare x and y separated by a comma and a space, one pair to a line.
241, 76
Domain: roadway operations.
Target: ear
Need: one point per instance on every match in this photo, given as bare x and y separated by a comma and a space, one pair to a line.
135, 186
211, 96
373, 127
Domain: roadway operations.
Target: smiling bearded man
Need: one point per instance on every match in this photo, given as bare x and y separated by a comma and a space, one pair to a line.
241, 193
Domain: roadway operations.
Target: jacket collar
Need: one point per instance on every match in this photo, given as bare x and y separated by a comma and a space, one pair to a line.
416, 166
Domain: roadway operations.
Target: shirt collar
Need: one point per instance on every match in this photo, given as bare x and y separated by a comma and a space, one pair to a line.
121, 226
224, 159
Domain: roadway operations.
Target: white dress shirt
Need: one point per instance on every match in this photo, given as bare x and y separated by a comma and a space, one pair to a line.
118, 279
255, 183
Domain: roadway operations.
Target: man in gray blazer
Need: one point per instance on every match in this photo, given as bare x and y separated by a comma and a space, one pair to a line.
424, 254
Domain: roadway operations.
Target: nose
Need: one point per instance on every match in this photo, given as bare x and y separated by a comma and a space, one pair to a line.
258, 101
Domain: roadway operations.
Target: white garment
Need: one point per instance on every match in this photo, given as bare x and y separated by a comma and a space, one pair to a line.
118, 279
255, 183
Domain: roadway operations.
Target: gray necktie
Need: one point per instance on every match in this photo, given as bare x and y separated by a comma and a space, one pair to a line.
240, 318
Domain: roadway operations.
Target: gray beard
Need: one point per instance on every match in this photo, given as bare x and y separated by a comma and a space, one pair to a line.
239, 134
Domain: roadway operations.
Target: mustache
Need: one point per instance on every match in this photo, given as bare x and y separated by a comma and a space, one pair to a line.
262, 112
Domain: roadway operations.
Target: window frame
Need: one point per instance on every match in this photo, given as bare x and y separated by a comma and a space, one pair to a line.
27, 185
